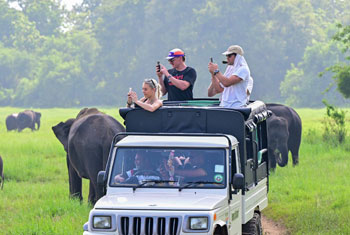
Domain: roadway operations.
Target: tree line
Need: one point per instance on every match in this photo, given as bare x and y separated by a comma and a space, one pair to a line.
90, 55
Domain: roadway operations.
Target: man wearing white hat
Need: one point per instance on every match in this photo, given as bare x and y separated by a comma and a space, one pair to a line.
178, 82
234, 82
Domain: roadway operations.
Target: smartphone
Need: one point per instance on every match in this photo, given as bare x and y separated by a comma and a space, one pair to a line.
130, 89
158, 66
211, 59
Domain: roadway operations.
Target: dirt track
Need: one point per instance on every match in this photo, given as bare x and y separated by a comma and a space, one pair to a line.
271, 227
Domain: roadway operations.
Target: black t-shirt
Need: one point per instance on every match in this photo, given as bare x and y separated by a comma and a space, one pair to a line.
174, 93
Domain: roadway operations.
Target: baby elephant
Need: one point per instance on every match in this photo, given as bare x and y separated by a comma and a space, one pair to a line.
284, 129
1, 173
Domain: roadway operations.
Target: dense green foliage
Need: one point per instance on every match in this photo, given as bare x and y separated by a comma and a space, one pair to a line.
90, 55
334, 124
311, 198
341, 70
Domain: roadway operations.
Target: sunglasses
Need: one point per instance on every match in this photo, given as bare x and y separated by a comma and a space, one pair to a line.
171, 60
228, 56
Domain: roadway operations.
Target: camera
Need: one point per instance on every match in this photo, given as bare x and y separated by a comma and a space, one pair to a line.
158, 66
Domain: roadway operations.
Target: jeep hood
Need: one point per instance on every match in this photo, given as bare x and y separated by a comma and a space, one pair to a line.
161, 201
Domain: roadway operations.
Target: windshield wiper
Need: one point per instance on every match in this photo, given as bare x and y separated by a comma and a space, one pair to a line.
197, 182
152, 181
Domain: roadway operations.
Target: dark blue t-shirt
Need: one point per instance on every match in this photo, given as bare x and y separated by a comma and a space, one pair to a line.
176, 94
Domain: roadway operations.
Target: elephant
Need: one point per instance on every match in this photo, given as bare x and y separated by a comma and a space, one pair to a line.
1, 173
28, 118
284, 134
11, 122
86, 140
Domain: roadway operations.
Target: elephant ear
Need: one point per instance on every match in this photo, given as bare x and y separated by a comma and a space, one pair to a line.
61, 131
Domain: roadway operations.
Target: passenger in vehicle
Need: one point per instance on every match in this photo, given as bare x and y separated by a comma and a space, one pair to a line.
143, 170
178, 82
151, 91
168, 166
233, 83
194, 168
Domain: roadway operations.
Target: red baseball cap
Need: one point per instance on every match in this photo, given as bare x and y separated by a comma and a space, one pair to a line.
175, 53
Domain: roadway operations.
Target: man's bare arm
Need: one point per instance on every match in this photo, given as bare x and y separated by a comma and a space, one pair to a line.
214, 87
181, 84
226, 82
161, 83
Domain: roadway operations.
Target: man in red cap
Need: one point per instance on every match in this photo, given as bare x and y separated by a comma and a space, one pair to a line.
178, 82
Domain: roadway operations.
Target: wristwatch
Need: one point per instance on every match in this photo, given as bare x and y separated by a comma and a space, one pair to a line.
168, 77
216, 71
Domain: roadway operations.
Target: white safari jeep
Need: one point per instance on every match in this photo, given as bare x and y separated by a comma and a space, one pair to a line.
185, 170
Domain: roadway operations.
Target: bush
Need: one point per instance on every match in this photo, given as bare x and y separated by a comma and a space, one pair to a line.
311, 136
334, 125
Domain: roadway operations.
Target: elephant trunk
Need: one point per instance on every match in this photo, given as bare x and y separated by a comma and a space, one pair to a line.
282, 158
272, 158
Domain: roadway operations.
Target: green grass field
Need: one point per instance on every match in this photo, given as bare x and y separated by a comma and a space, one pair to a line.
311, 198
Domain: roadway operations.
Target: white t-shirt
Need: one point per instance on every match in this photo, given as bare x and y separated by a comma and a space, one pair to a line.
142, 178
250, 87
235, 96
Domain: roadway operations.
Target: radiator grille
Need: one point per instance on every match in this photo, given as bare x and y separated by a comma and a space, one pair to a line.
135, 225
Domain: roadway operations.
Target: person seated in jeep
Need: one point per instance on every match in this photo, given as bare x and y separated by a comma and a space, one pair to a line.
193, 168
143, 171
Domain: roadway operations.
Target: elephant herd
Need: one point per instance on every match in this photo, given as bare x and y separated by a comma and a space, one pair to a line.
22, 120
87, 138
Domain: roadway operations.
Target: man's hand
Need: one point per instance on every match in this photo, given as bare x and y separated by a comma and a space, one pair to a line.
160, 78
119, 178
159, 73
212, 67
164, 71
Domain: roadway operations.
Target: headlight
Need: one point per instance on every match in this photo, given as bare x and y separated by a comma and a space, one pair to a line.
102, 222
198, 223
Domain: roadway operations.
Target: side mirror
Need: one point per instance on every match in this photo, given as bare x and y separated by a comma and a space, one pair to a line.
101, 179
238, 182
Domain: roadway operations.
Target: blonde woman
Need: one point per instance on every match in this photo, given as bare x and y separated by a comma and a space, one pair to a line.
151, 91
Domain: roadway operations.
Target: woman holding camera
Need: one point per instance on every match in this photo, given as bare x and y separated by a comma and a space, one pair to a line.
151, 91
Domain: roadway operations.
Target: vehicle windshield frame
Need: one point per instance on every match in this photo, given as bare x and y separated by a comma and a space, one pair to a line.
215, 163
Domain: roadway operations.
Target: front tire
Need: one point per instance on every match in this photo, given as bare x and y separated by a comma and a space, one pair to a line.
253, 226
220, 231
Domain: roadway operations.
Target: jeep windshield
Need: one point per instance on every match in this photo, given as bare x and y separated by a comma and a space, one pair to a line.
169, 168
